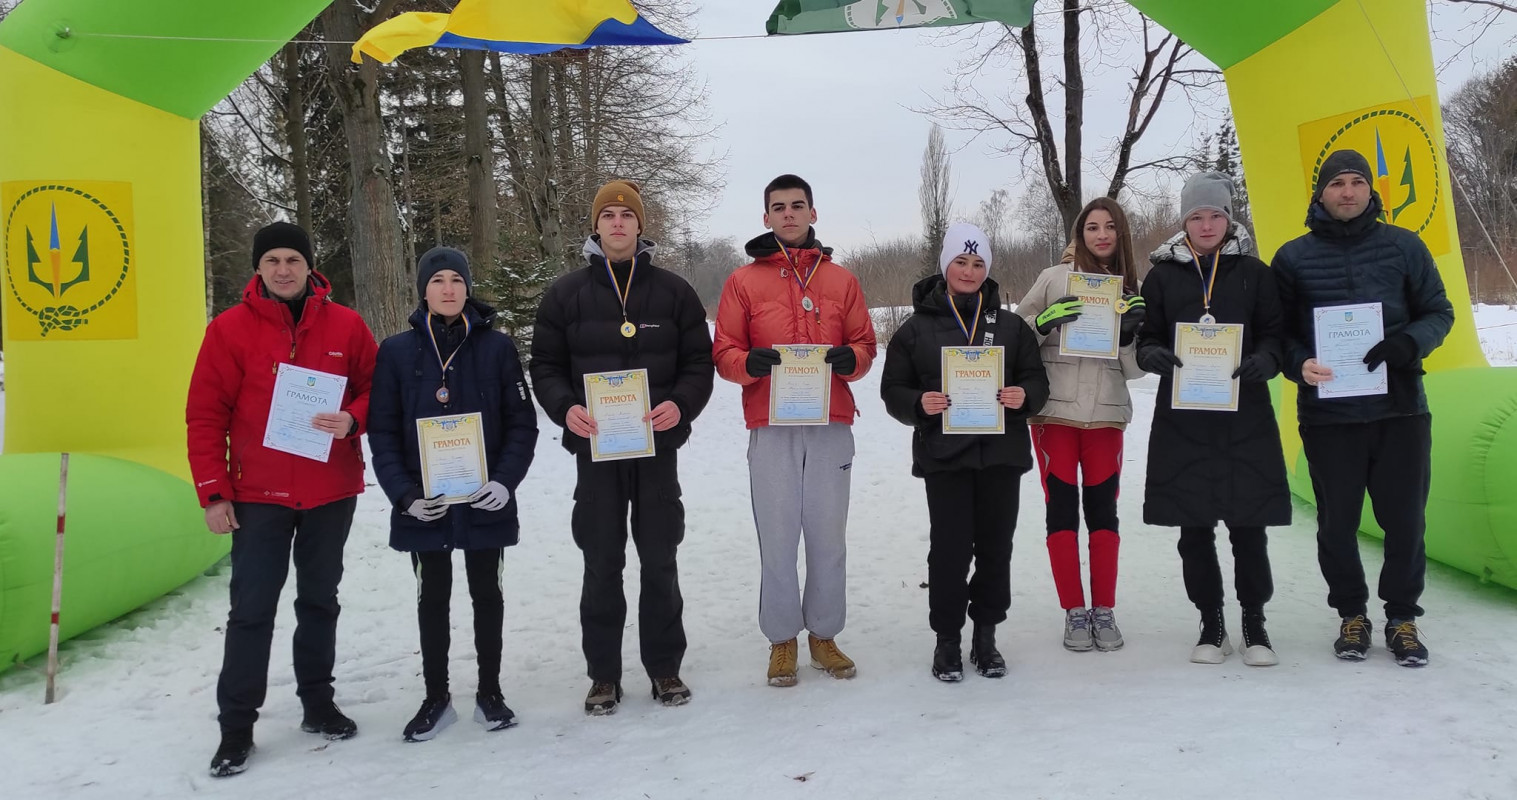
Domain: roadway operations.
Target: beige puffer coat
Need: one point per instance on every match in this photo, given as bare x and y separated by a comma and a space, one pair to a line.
1083, 392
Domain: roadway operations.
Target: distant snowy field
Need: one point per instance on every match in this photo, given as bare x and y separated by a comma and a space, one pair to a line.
137, 716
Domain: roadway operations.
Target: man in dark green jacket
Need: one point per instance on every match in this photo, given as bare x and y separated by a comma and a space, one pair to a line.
1380, 442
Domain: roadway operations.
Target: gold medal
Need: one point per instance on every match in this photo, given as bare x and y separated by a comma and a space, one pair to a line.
1122, 306
629, 330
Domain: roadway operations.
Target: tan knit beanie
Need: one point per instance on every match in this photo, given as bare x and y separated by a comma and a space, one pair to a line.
618, 193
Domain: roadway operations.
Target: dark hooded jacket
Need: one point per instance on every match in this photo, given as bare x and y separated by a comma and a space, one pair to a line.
485, 376
578, 332
913, 366
1206, 467
1360, 261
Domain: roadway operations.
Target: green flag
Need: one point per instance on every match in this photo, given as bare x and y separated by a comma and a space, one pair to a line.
828, 16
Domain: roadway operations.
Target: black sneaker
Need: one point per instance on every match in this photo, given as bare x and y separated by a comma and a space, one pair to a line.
435, 714
1212, 646
671, 691
603, 698
948, 660
1402, 639
330, 722
1353, 639
983, 654
232, 756
1257, 651
491, 711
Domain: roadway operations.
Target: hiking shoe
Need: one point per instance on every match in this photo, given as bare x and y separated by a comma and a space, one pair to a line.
1103, 624
1402, 639
1257, 651
947, 659
232, 755
1353, 642
1212, 647
671, 691
1077, 630
826, 656
435, 714
603, 698
782, 663
328, 721
491, 711
983, 654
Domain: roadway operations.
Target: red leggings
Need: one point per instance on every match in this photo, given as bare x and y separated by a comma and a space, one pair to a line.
1081, 464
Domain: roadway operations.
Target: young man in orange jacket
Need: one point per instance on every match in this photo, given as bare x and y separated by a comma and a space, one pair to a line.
793, 293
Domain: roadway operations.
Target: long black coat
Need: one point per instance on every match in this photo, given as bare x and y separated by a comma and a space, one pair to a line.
1206, 467
485, 376
578, 331
1360, 261
914, 366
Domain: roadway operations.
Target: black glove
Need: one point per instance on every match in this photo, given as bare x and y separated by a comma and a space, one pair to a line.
1132, 318
1061, 312
1159, 360
1399, 351
1256, 368
762, 361
843, 360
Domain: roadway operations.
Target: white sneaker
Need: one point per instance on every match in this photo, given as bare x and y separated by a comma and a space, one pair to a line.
1212, 647
1107, 635
1077, 630
1210, 653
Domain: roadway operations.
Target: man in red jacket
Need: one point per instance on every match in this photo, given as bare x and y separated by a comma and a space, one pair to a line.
793, 293
270, 501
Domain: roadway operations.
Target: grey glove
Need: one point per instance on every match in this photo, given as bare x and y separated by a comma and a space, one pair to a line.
428, 509
491, 497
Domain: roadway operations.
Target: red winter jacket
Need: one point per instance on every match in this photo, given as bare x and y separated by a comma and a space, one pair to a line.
761, 307
233, 386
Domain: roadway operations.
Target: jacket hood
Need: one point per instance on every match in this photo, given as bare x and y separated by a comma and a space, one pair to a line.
592, 249
1323, 223
767, 245
1237, 243
930, 295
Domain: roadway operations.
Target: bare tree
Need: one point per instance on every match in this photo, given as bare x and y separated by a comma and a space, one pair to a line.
934, 195
1479, 121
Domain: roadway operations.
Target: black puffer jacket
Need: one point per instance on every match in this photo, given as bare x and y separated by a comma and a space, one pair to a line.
1361, 261
914, 366
1206, 467
578, 331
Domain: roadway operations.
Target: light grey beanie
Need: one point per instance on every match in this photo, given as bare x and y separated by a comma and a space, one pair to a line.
1205, 190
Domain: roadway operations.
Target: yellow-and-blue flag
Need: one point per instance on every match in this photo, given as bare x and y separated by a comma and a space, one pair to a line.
525, 27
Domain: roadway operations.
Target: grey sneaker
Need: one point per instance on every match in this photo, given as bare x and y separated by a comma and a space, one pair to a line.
1108, 636
1077, 630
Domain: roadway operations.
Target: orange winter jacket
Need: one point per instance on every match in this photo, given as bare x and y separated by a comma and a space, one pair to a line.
761, 307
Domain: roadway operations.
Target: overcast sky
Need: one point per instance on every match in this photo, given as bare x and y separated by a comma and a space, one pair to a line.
838, 110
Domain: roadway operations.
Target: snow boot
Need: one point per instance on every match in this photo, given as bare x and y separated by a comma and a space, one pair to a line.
826, 656
983, 654
603, 698
947, 661
232, 755
491, 711
435, 714
671, 691
1213, 646
1257, 651
782, 663
1077, 630
1103, 623
1404, 642
1353, 642
328, 721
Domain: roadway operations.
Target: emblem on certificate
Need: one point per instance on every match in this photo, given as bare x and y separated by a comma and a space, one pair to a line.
619, 403
299, 395
452, 456
800, 386
972, 378
1211, 354
1097, 331
1345, 335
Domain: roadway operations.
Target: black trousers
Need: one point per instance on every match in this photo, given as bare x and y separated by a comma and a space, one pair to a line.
602, 498
434, 591
1203, 574
261, 551
1391, 459
973, 514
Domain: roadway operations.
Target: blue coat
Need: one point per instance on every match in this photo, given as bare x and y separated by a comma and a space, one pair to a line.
486, 376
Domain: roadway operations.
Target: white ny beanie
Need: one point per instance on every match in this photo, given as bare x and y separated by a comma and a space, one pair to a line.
962, 238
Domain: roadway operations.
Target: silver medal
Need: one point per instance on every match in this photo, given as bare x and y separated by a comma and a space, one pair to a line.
807, 304
1207, 319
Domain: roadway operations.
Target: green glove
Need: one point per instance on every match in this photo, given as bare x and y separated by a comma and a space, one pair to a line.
1061, 312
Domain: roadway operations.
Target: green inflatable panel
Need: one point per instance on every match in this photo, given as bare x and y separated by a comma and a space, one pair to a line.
132, 534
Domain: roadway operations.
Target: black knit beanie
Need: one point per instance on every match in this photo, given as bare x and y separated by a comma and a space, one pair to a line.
438, 259
282, 234
1339, 162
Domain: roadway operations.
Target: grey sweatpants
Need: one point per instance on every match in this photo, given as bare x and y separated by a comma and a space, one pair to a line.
799, 479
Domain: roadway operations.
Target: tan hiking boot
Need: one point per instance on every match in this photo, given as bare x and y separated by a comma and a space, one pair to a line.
825, 655
782, 661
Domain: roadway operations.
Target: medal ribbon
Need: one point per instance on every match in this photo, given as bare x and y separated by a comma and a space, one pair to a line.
1206, 285
622, 294
969, 330
796, 269
432, 334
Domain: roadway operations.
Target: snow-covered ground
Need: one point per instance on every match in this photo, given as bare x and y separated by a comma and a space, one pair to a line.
137, 716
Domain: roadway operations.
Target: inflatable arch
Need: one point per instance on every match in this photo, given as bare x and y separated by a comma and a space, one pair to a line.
100, 224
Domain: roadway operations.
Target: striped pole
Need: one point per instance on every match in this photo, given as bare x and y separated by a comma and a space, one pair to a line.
52, 637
